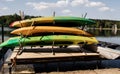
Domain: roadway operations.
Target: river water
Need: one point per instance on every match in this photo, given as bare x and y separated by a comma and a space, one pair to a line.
112, 36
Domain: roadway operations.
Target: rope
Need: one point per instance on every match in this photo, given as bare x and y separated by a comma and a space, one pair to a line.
29, 29
20, 42
25, 36
20, 24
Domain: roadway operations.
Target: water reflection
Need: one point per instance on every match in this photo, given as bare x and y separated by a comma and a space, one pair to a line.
114, 31
7, 29
112, 36
7, 34
105, 33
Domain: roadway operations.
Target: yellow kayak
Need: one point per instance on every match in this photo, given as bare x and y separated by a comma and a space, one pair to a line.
41, 30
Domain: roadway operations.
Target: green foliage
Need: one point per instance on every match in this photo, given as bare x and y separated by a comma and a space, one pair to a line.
106, 23
8, 19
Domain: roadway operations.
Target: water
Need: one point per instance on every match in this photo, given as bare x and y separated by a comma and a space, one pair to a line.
112, 36
7, 29
6, 33
115, 39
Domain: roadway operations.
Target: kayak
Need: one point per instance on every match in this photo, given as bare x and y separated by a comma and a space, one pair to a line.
48, 40
46, 30
66, 21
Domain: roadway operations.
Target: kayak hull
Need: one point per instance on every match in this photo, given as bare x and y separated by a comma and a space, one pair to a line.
41, 30
49, 40
66, 21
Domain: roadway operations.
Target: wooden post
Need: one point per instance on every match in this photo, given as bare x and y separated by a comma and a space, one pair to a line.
2, 33
22, 15
53, 34
54, 14
53, 48
2, 27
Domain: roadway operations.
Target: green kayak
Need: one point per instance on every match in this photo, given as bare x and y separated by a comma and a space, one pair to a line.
48, 40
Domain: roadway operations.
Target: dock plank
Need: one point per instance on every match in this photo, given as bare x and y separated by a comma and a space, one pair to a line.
50, 55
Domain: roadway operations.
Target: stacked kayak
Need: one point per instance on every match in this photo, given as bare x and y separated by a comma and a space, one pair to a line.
53, 21
41, 30
45, 31
48, 40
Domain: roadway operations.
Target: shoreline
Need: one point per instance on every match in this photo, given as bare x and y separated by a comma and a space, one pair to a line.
104, 29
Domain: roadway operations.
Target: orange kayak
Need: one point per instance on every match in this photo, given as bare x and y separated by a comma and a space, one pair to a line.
41, 30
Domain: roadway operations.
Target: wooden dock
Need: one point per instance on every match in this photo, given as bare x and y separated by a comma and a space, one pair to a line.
46, 55
39, 55
48, 60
